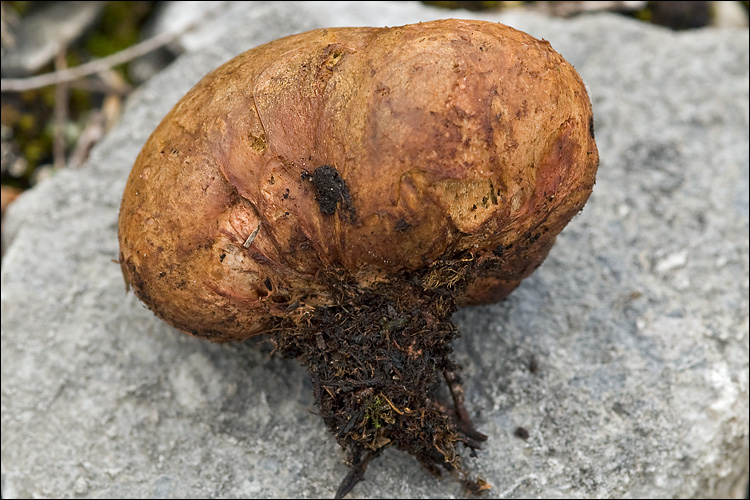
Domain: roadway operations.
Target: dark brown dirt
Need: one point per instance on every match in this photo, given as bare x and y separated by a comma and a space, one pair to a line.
375, 362
331, 191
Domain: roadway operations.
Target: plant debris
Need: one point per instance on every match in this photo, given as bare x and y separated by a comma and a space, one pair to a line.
375, 361
331, 191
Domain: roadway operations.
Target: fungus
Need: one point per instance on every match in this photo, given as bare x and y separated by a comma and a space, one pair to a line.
344, 190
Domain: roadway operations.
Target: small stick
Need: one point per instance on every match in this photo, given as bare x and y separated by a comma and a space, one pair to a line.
92, 132
61, 112
105, 63
249, 240
457, 391
406, 410
356, 473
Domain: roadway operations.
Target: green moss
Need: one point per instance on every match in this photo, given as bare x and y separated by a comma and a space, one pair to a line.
30, 114
118, 28
21, 8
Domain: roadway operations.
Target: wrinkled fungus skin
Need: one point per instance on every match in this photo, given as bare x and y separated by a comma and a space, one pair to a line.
437, 139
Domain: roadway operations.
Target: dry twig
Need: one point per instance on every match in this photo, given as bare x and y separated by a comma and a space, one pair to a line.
103, 64
61, 112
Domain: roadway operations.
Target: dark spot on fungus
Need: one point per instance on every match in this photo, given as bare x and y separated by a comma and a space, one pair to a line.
221, 257
591, 127
268, 284
402, 226
330, 191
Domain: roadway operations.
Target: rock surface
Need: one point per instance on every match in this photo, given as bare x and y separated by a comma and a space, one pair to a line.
38, 37
624, 357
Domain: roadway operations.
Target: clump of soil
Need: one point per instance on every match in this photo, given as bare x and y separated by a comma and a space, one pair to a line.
375, 361
331, 191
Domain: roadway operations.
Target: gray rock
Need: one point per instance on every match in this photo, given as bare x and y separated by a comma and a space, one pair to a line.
39, 36
625, 356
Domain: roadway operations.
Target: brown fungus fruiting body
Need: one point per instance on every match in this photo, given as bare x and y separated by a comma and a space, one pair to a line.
348, 188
